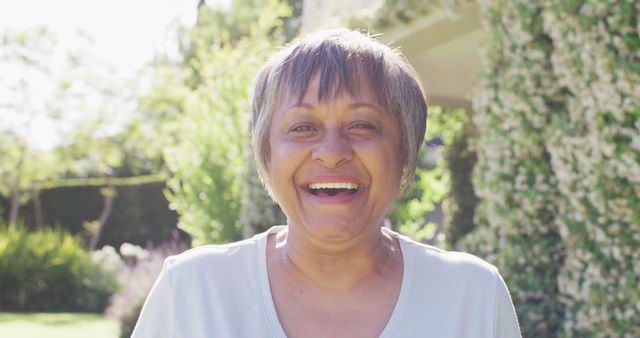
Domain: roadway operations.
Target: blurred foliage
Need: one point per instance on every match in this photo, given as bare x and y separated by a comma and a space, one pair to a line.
85, 101
445, 126
459, 158
27, 71
208, 88
36, 166
47, 82
259, 212
143, 266
207, 162
48, 270
132, 151
428, 189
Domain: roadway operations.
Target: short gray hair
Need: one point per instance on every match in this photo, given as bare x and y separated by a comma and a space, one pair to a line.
340, 57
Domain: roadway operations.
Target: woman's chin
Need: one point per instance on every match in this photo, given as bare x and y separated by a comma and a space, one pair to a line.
334, 231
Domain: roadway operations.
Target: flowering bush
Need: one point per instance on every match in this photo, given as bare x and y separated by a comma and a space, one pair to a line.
558, 150
558, 170
142, 267
595, 152
107, 258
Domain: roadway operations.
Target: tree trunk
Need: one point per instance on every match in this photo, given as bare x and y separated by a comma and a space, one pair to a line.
16, 191
37, 209
15, 206
109, 195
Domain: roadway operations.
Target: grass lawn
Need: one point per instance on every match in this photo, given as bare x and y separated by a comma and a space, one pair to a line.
56, 325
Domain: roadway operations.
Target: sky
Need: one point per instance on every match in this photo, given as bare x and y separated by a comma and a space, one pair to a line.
125, 34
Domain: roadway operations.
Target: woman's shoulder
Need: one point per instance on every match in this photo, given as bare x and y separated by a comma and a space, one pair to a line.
444, 261
452, 258
218, 255
460, 294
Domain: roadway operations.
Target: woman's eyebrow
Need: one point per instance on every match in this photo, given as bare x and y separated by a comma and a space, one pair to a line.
355, 105
298, 105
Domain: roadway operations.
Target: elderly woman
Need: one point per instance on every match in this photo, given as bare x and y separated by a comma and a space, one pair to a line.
338, 120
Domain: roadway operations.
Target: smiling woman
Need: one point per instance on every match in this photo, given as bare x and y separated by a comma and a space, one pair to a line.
338, 120
317, 147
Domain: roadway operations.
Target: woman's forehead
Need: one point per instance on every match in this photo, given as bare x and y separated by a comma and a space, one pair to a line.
340, 99
318, 91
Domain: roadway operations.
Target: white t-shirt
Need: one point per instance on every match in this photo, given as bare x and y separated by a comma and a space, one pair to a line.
223, 291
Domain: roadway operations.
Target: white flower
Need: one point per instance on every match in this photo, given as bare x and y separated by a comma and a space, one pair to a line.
136, 252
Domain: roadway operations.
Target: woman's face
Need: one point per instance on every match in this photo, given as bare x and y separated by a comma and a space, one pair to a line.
335, 166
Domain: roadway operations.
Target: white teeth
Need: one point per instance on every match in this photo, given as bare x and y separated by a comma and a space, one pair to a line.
336, 185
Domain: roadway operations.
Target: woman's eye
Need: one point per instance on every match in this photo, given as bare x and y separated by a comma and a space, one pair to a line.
302, 128
363, 126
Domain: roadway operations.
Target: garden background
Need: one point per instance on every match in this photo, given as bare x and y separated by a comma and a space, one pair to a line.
539, 174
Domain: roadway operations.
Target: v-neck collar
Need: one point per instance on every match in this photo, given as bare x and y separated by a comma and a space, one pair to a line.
267, 298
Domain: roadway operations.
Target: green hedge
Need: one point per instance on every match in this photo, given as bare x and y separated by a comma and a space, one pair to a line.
140, 213
48, 270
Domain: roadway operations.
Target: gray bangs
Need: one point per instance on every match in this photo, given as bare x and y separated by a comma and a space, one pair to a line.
340, 62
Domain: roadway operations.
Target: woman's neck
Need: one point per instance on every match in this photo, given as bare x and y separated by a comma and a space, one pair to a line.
337, 266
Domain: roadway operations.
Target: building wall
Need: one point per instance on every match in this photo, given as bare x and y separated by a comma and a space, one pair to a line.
317, 14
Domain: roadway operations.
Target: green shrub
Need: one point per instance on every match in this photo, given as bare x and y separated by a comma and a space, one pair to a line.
48, 270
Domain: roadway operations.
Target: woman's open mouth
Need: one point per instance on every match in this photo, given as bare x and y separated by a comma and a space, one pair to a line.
333, 189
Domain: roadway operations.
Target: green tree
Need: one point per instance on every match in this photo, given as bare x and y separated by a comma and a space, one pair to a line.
27, 81
80, 98
207, 163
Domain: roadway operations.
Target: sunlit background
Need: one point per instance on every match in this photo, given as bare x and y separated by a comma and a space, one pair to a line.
124, 139
118, 36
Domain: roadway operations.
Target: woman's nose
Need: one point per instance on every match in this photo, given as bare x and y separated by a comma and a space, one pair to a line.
333, 149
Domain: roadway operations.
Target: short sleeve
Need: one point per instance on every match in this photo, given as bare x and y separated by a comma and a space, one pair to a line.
506, 321
156, 317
